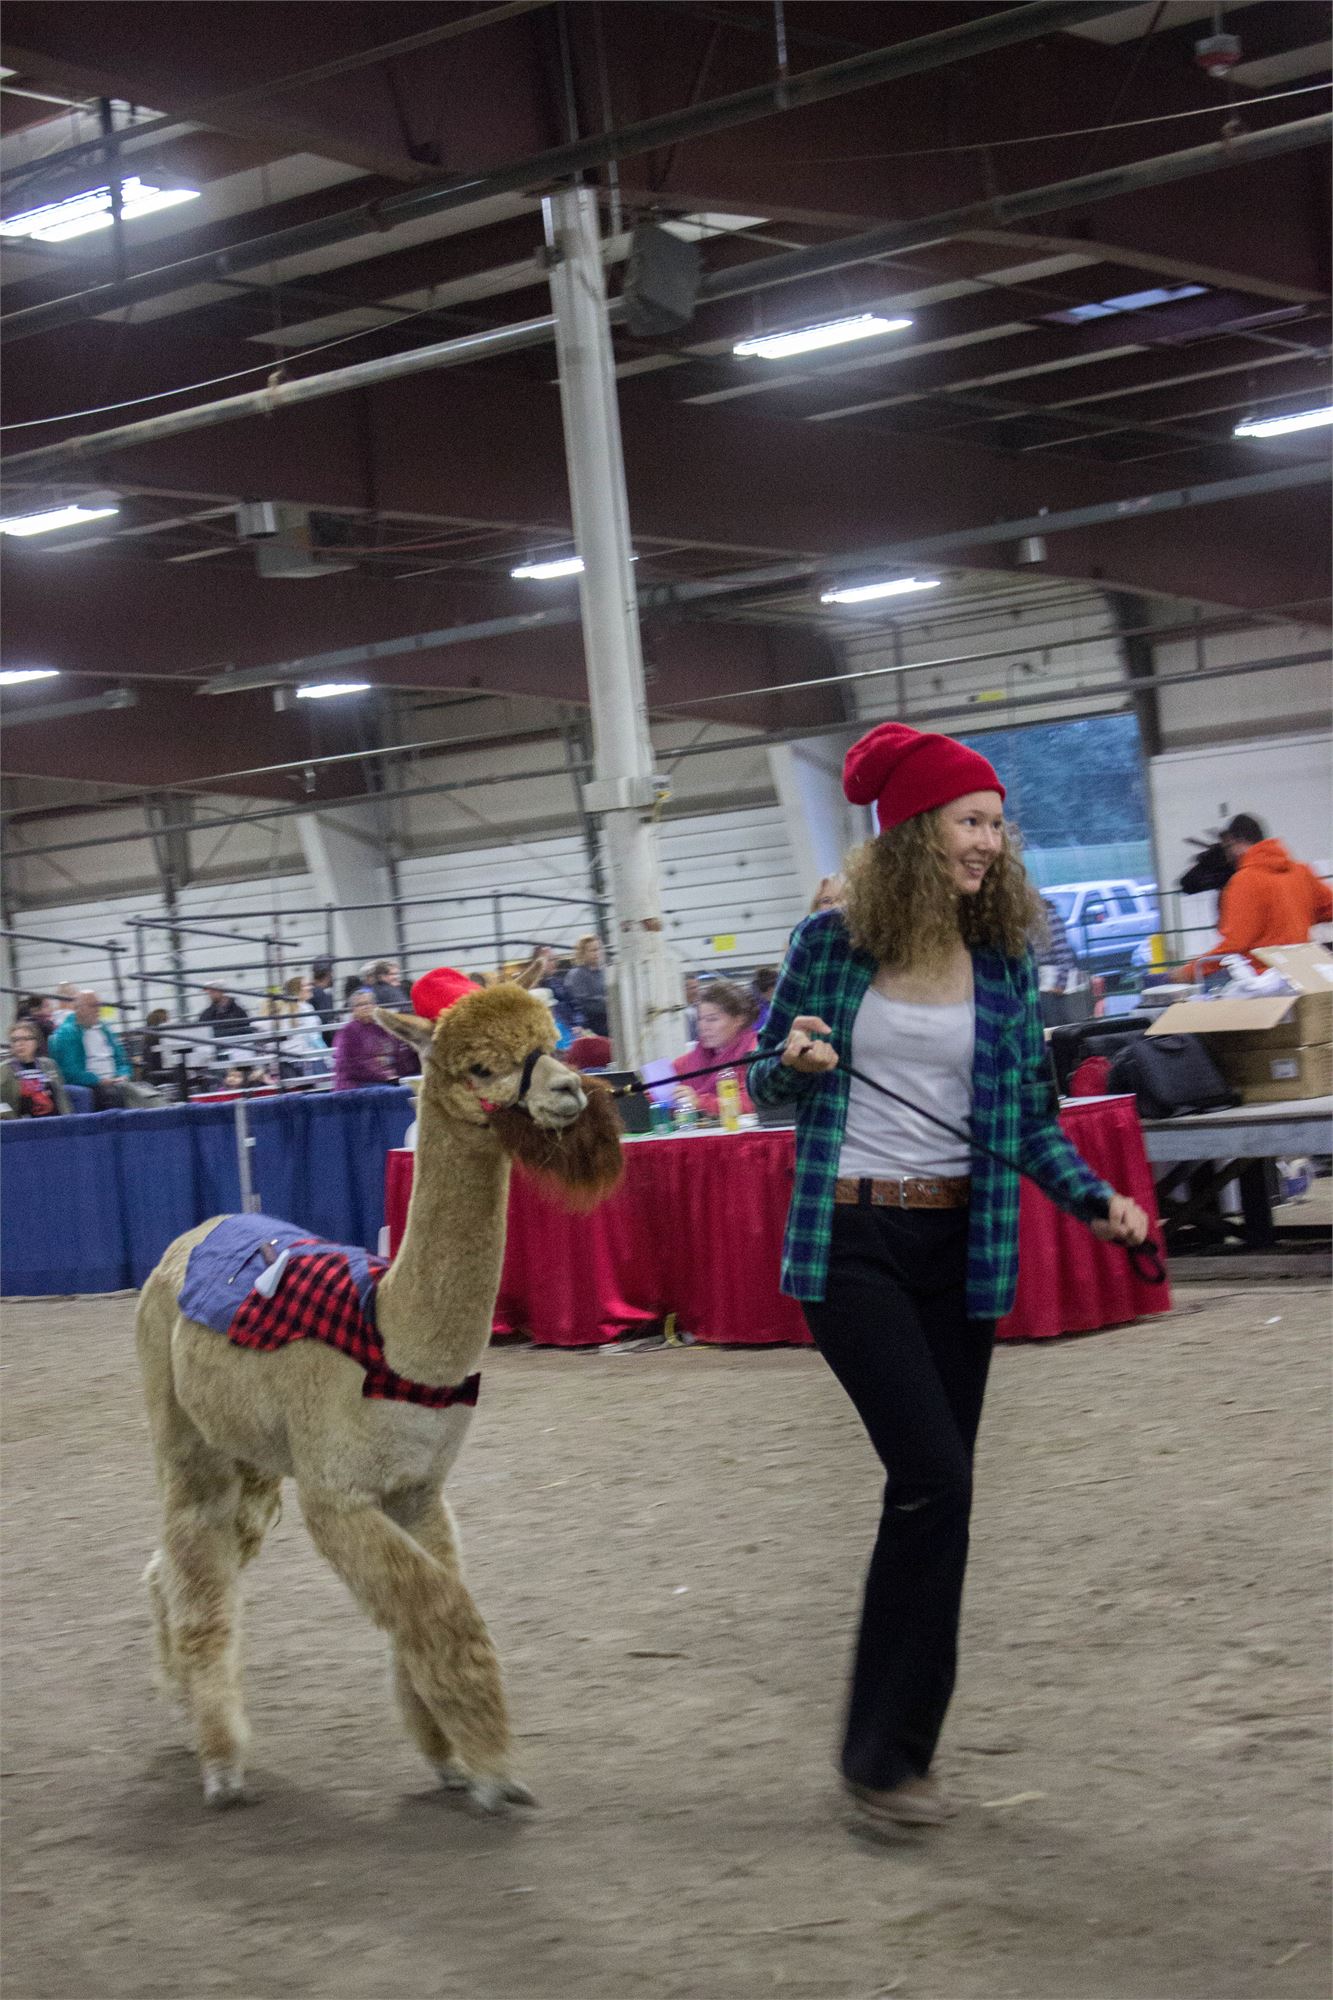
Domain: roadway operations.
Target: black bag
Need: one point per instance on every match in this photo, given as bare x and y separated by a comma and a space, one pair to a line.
1103, 1037
1170, 1077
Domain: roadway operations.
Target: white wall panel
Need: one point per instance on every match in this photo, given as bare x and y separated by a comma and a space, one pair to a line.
1055, 639
729, 875
1250, 705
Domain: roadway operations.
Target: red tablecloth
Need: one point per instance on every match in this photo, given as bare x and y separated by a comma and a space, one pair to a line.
696, 1230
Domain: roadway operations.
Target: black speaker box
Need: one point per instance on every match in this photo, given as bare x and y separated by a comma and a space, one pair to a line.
661, 282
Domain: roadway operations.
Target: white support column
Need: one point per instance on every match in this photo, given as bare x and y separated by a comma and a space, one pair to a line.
646, 987
345, 857
821, 826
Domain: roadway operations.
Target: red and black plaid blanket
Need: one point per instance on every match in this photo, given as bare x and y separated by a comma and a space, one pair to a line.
325, 1291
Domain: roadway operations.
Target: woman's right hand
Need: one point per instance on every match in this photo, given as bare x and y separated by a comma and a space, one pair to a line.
803, 1053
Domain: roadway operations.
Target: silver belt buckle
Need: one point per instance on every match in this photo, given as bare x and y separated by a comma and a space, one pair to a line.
902, 1194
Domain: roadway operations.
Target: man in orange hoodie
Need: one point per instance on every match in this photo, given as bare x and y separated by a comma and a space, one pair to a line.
1270, 899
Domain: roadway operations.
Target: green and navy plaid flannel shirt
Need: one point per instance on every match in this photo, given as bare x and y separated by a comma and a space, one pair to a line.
1014, 1109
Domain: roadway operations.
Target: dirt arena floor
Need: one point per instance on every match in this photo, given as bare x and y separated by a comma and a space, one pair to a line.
668, 1548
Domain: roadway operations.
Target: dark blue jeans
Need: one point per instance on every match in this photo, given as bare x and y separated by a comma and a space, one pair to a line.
894, 1329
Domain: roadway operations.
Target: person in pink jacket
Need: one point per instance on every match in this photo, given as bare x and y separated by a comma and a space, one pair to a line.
727, 1032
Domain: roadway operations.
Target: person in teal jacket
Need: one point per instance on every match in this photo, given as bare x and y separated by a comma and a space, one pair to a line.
89, 1053
902, 1237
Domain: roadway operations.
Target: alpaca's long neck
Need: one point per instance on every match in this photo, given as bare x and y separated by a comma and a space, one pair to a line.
435, 1301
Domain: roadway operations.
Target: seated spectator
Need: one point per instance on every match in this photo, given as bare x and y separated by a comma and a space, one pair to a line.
302, 1050
385, 980
363, 1051
321, 995
225, 1016
763, 986
91, 1054
726, 1034
552, 978
246, 1076
532, 975
40, 1009
585, 988
30, 1083
65, 996
154, 1055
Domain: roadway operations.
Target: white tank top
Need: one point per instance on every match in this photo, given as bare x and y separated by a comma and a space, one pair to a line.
925, 1055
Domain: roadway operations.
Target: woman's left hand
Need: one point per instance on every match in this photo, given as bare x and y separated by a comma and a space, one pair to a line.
686, 1098
1126, 1223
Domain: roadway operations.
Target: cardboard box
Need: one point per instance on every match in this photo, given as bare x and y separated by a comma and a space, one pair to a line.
1303, 1019
1274, 1076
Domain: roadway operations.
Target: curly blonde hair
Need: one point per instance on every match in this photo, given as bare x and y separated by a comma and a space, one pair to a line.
903, 908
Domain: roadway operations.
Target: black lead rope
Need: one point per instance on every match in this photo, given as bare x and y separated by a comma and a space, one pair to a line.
1146, 1257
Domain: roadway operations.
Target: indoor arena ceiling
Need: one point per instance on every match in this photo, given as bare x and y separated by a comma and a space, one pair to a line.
314, 139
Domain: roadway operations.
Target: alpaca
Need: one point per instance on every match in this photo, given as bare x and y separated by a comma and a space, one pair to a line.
228, 1425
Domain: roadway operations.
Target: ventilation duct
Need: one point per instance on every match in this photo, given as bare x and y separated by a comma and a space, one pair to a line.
287, 539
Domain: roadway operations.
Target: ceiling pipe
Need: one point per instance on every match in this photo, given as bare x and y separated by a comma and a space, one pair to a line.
1125, 689
540, 170
666, 597
1192, 631
760, 274
57, 711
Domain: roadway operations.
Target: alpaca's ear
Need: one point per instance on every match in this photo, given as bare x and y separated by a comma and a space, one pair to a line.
408, 1027
527, 976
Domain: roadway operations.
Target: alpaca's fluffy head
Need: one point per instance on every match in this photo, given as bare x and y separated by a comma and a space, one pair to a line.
565, 1133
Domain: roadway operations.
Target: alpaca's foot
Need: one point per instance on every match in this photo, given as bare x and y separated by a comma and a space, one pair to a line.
488, 1794
492, 1794
224, 1787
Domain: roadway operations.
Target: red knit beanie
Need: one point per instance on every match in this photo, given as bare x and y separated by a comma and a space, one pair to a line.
905, 771
438, 989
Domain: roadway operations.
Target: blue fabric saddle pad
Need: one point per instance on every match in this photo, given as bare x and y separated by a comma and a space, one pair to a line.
223, 1268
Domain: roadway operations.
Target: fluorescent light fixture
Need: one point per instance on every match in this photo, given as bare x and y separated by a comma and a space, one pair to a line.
543, 572
14, 676
1276, 427
706, 223
52, 518
326, 690
1126, 302
805, 339
867, 593
60, 221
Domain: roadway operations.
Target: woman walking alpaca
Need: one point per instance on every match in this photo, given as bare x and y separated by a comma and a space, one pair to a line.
902, 1245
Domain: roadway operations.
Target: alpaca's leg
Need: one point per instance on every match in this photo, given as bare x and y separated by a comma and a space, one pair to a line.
257, 1509
418, 1597
197, 1577
423, 1729
412, 1511
428, 1520
167, 1674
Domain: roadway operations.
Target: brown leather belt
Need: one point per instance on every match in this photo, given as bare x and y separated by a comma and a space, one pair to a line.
923, 1192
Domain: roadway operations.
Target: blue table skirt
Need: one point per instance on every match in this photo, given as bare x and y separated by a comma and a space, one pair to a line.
90, 1203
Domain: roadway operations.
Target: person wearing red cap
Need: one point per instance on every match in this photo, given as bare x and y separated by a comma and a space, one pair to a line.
902, 1240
